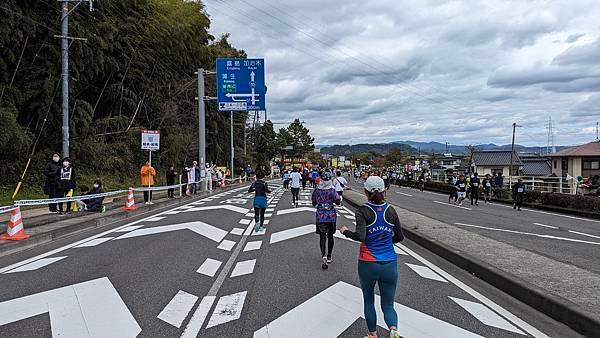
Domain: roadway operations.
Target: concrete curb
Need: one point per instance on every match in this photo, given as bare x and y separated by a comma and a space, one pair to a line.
555, 307
85, 225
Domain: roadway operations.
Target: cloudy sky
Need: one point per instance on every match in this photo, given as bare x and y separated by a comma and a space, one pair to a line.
430, 70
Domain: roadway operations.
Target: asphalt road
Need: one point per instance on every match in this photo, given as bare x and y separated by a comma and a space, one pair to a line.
569, 239
198, 270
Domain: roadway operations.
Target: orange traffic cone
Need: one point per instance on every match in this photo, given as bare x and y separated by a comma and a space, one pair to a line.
223, 184
15, 230
130, 203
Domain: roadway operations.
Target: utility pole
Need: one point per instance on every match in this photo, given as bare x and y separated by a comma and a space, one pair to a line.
202, 130
597, 131
64, 51
512, 151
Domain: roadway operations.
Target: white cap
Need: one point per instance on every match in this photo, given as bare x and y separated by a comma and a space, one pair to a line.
374, 183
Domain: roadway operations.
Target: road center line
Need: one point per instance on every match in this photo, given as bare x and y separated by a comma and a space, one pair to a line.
403, 194
452, 205
546, 226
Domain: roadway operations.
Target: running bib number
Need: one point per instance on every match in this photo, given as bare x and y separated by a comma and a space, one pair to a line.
520, 190
462, 185
475, 184
488, 185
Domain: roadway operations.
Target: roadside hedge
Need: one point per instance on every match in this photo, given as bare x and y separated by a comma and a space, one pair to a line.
587, 203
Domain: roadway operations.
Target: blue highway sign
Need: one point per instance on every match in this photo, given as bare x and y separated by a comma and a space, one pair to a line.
241, 84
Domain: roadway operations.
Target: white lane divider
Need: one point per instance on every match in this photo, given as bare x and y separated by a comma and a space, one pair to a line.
155, 219
37, 264
583, 234
546, 226
209, 267
243, 268
94, 242
178, 308
452, 205
486, 316
226, 245
195, 324
403, 194
426, 272
529, 234
228, 308
130, 228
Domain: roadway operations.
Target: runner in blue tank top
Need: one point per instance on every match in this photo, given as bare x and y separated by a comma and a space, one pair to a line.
377, 229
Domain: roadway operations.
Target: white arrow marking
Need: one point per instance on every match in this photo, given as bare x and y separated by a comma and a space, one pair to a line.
485, 315
201, 228
252, 75
217, 207
292, 233
242, 97
293, 210
37, 264
94, 242
88, 309
426, 272
331, 312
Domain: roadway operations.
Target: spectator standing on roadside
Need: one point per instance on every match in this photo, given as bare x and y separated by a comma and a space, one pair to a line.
51, 183
184, 181
66, 182
170, 175
197, 174
192, 178
147, 173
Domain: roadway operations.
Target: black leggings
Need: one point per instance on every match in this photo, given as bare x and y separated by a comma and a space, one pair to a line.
259, 216
295, 193
474, 195
323, 238
147, 196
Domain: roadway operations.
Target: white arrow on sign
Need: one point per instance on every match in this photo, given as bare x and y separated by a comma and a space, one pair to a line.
252, 75
332, 311
88, 309
242, 97
200, 228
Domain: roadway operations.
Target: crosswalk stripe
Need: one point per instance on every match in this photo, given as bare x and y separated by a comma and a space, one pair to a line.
209, 267
250, 246
228, 308
178, 308
243, 268
226, 245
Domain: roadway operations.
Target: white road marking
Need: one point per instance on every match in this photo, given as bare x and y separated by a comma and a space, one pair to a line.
89, 309
250, 214
403, 194
268, 215
529, 234
291, 233
178, 308
127, 229
399, 251
293, 210
233, 208
332, 311
486, 316
243, 268
37, 264
209, 267
237, 231
486, 301
245, 221
250, 246
155, 219
583, 234
94, 242
426, 272
266, 221
201, 228
228, 308
173, 212
226, 245
452, 205
270, 210
550, 213
261, 232
193, 327
546, 226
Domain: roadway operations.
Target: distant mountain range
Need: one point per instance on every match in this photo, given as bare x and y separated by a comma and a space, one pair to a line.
421, 147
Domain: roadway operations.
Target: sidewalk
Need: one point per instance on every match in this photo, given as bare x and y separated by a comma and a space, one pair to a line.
562, 291
45, 227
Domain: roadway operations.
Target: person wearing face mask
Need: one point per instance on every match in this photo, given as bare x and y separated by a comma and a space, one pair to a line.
66, 182
51, 171
171, 174
93, 204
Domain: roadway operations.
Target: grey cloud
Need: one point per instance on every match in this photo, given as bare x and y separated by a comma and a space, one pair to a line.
584, 55
574, 37
588, 108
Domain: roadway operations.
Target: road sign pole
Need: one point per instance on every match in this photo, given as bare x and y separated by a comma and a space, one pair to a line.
231, 130
202, 129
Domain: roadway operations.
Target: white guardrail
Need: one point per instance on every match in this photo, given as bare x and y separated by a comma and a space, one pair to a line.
20, 203
542, 184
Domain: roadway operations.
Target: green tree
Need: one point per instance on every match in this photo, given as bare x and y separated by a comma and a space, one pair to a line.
300, 139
